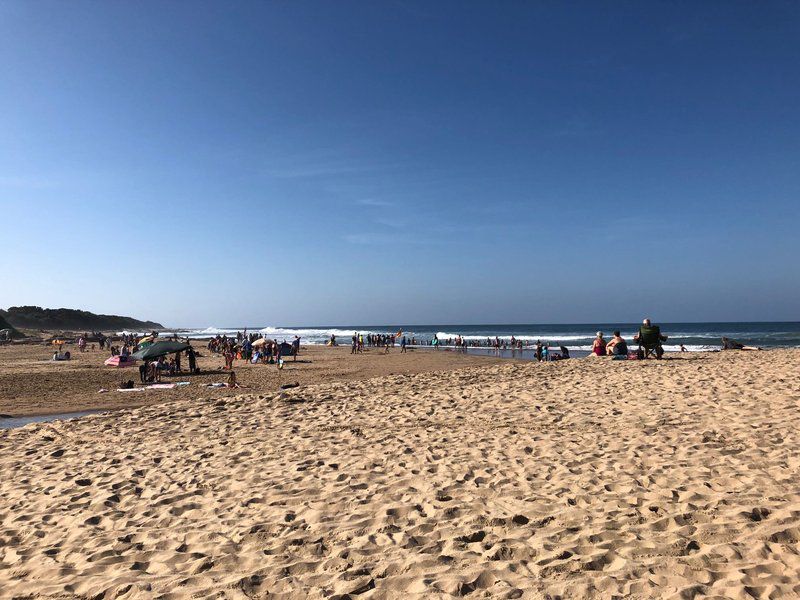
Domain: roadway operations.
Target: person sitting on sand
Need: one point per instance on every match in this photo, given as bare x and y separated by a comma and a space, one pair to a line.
617, 346
729, 344
599, 345
232, 380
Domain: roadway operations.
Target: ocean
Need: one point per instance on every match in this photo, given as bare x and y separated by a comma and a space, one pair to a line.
694, 336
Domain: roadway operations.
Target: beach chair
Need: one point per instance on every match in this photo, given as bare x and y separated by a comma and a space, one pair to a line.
649, 340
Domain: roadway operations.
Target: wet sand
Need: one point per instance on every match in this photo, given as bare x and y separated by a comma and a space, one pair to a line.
582, 479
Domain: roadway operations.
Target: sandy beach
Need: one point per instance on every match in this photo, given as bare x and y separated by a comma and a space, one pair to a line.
32, 384
581, 479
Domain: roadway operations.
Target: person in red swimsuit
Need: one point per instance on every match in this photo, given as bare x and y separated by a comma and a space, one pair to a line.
599, 345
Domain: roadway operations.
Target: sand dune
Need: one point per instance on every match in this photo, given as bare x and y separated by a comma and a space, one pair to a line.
581, 479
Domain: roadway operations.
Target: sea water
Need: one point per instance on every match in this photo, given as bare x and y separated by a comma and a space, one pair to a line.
11, 422
694, 336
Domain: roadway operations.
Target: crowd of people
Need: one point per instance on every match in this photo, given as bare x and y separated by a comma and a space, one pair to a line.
617, 346
252, 348
373, 340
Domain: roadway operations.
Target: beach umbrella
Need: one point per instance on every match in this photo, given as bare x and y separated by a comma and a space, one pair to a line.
159, 349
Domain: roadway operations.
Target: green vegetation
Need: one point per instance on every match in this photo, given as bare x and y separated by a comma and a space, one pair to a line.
6, 325
35, 317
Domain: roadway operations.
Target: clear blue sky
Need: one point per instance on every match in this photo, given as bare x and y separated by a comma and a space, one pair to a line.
401, 162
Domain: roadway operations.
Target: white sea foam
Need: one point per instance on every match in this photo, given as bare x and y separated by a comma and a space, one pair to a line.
544, 337
576, 338
312, 334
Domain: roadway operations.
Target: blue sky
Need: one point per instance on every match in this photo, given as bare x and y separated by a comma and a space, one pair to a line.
401, 162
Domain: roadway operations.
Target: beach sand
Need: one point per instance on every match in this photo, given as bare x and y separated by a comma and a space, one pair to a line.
581, 479
32, 384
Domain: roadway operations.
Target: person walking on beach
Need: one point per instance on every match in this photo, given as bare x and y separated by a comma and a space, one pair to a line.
403, 345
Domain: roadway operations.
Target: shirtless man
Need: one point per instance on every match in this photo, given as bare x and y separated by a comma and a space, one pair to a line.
617, 346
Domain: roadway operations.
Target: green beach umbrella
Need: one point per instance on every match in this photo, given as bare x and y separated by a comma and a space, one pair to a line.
159, 349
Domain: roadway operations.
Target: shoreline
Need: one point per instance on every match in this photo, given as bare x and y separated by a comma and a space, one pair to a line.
31, 385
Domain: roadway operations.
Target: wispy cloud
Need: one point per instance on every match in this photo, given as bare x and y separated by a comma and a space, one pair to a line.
385, 239
377, 202
321, 164
390, 223
309, 171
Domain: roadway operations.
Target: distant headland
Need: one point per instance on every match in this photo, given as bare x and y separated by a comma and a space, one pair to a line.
36, 317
